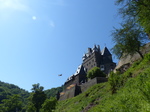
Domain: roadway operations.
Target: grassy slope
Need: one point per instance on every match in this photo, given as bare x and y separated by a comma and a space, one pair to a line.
133, 93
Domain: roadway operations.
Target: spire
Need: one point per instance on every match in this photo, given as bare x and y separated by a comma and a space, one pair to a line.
106, 52
94, 48
98, 48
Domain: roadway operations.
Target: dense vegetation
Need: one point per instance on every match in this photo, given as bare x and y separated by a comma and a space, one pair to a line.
138, 10
134, 27
127, 92
95, 72
53, 91
12, 98
7, 89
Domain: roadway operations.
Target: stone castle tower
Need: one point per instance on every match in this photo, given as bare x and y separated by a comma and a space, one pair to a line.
97, 58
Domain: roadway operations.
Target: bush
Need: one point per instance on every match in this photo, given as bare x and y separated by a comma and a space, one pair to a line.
95, 72
114, 81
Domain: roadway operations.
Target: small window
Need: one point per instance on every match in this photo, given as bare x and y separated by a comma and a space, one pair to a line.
102, 67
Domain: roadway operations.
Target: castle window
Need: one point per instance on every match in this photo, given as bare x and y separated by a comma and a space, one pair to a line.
102, 67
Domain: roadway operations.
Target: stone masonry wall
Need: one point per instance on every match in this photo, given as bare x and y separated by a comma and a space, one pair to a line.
75, 90
90, 83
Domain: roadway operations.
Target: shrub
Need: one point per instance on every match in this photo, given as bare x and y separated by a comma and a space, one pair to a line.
114, 81
95, 72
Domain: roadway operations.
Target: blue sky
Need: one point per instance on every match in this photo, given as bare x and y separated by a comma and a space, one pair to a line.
40, 39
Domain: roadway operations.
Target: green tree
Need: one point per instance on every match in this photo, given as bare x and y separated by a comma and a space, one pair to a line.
11, 104
37, 97
30, 107
53, 91
128, 39
49, 105
95, 72
137, 9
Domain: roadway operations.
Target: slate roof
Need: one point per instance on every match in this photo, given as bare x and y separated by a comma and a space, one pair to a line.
106, 52
80, 70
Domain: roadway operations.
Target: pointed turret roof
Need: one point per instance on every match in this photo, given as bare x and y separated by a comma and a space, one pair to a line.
106, 52
80, 70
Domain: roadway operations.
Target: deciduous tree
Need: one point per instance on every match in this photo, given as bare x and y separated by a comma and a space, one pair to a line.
49, 105
11, 104
37, 96
137, 9
128, 39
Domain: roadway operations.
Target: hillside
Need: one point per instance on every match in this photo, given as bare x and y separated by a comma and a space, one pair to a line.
53, 91
127, 92
7, 89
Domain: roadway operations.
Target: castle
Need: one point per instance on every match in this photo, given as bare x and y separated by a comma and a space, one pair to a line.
97, 58
77, 83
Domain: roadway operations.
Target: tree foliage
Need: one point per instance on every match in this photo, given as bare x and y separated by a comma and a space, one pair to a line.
37, 97
128, 39
12, 104
137, 9
95, 72
49, 105
7, 90
53, 91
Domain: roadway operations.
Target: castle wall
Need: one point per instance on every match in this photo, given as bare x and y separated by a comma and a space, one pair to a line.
71, 92
75, 90
68, 94
74, 80
90, 83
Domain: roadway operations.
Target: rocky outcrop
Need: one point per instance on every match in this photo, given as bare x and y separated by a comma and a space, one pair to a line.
124, 63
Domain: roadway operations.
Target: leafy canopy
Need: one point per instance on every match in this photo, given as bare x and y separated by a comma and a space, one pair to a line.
137, 9
37, 97
11, 104
49, 105
128, 39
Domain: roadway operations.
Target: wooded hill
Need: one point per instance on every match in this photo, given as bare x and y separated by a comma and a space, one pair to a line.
7, 89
